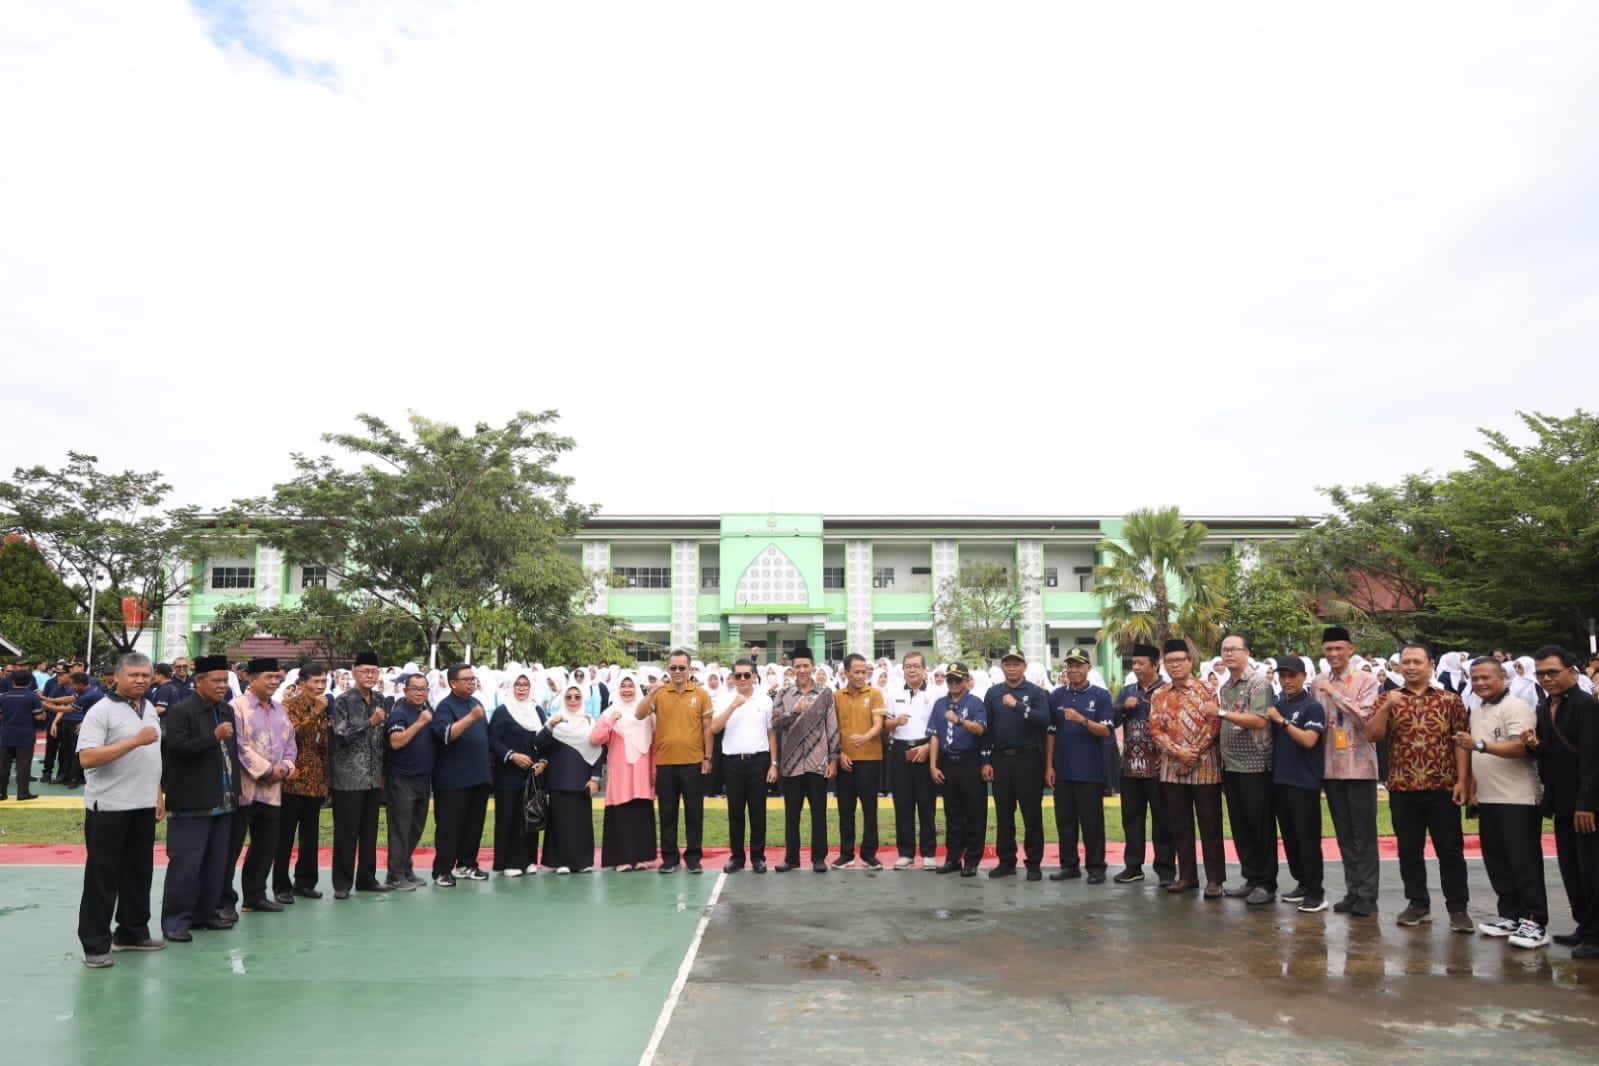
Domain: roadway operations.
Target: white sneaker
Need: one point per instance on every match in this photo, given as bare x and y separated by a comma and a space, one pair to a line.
1529, 934
512, 872
563, 869
902, 863
1498, 927
460, 871
929, 864
532, 868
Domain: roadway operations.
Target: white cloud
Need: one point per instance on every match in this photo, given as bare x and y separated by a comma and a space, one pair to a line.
804, 256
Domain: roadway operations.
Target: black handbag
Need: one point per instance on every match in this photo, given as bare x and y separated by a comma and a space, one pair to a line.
535, 803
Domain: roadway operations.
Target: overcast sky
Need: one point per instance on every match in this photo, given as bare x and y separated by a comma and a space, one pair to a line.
849, 257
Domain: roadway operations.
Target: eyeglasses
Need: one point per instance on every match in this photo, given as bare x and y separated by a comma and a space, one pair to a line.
742, 677
573, 697
677, 669
1549, 673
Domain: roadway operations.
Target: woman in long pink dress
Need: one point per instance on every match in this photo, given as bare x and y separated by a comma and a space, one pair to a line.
628, 841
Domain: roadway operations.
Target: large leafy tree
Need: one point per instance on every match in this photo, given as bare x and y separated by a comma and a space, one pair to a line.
1154, 584
979, 608
109, 532
1267, 609
37, 610
436, 522
333, 625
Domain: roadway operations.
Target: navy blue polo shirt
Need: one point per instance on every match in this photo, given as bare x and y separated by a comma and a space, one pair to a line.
464, 761
417, 758
82, 702
17, 724
953, 738
1079, 754
1021, 726
1292, 764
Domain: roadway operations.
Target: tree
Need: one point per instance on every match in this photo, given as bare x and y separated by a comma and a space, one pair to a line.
37, 610
438, 524
335, 626
111, 532
1155, 587
979, 608
1267, 609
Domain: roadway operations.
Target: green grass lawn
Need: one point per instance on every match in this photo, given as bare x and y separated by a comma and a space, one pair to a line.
22, 825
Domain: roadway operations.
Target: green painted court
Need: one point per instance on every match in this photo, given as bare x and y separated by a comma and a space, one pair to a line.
848, 967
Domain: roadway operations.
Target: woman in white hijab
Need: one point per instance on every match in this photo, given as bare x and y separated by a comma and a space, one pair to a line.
628, 841
573, 778
513, 736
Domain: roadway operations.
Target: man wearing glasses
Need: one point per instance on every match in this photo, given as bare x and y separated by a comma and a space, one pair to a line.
682, 758
1348, 698
749, 754
1185, 723
1566, 745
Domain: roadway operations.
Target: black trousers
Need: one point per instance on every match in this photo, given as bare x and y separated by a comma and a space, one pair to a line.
1080, 805
965, 808
860, 784
1299, 815
355, 838
1019, 782
238, 824
746, 803
915, 802
1417, 816
262, 821
71, 770
197, 854
116, 878
1184, 803
1511, 835
1141, 794
299, 818
1578, 854
1249, 812
681, 780
717, 785
1353, 806
52, 746
23, 757
406, 807
458, 816
798, 791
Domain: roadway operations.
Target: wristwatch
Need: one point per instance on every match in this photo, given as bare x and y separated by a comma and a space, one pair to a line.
1222, 713
1482, 745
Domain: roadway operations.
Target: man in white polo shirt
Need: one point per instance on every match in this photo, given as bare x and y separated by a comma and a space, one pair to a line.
119, 750
909, 780
749, 753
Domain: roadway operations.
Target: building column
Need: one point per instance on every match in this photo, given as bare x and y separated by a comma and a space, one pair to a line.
858, 597
175, 633
685, 593
1030, 579
268, 577
945, 570
816, 637
597, 568
731, 633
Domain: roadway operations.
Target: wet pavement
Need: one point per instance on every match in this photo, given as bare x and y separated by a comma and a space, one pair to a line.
912, 966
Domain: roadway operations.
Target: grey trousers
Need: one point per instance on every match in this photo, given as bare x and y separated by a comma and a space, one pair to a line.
407, 803
1353, 805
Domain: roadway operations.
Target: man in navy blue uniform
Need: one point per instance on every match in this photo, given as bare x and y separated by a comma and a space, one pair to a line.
21, 711
1298, 768
954, 755
1080, 722
1018, 721
85, 694
461, 780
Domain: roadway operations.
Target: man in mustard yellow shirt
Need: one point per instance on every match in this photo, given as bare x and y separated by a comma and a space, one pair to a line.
682, 758
861, 709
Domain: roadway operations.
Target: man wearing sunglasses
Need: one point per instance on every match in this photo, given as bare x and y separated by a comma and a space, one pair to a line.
1566, 745
682, 758
749, 758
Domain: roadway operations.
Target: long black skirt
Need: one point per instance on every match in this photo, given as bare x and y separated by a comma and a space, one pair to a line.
569, 838
515, 845
629, 834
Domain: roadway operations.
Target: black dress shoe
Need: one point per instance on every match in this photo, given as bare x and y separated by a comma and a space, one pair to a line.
968, 871
1034, 874
285, 898
1585, 951
375, 886
1096, 879
1001, 871
1182, 886
1071, 874
308, 893
229, 914
1567, 940
175, 936
783, 867
341, 893
27, 796
759, 866
1241, 892
667, 869
819, 867
214, 926
732, 867
262, 905
695, 868
948, 868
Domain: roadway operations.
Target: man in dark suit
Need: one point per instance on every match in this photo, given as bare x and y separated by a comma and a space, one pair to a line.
1566, 744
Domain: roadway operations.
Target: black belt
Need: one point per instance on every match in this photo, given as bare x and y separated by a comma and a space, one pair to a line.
909, 743
751, 755
956, 758
1012, 751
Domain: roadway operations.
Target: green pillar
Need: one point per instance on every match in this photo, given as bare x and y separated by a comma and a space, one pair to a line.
817, 639
730, 633
773, 650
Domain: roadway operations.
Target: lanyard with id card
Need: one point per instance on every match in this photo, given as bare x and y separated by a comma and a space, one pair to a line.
1340, 734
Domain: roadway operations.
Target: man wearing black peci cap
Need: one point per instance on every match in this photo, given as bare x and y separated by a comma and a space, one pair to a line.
1349, 698
1013, 759
1141, 789
355, 770
200, 779
266, 754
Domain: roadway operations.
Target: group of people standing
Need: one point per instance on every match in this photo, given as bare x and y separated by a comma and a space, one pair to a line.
249, 774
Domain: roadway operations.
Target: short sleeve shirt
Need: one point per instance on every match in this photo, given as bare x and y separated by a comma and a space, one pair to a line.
680, 724
1293, 763
953, 737
855, 714
1421, 745
1079, 754
1502, 780
1245, 751
129, 783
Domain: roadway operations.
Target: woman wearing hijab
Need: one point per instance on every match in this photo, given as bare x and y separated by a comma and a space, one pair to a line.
513, 733
628, 841
573, 778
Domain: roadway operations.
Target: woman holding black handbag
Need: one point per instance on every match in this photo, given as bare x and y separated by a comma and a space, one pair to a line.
513, 734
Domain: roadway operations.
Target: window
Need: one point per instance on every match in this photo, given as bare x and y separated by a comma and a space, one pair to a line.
233, 577
883, 648
642, 577
312, 577
1054, 648
834, 649
833, 578
921, 644
883, 578
1085, 578
642, 650
1051, 577
710, 577
790, 645
921, 571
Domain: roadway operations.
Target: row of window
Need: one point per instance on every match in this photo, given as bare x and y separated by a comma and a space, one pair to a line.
243, 577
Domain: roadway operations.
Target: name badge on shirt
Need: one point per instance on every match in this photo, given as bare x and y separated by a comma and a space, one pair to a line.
1340, 739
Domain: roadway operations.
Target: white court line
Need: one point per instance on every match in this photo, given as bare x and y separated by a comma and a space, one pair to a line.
682, 975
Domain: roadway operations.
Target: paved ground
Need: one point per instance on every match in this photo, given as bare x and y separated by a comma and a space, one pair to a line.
851, 966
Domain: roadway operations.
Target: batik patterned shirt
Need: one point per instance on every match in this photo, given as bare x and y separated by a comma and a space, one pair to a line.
1421, 744
1185, 717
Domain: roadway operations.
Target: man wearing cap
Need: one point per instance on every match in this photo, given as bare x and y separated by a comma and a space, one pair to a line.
266, 753
860, 709
1140, 777
807, 758
954, 754
1246, 750
1298, 725
1081, 714
915, 816
200, 778
1013, 759
355, 765
1349, 698
1183, 720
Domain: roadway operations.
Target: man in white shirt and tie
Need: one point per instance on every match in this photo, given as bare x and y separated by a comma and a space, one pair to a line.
909, 780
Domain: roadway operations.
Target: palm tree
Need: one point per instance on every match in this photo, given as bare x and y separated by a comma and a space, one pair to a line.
1159, 563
